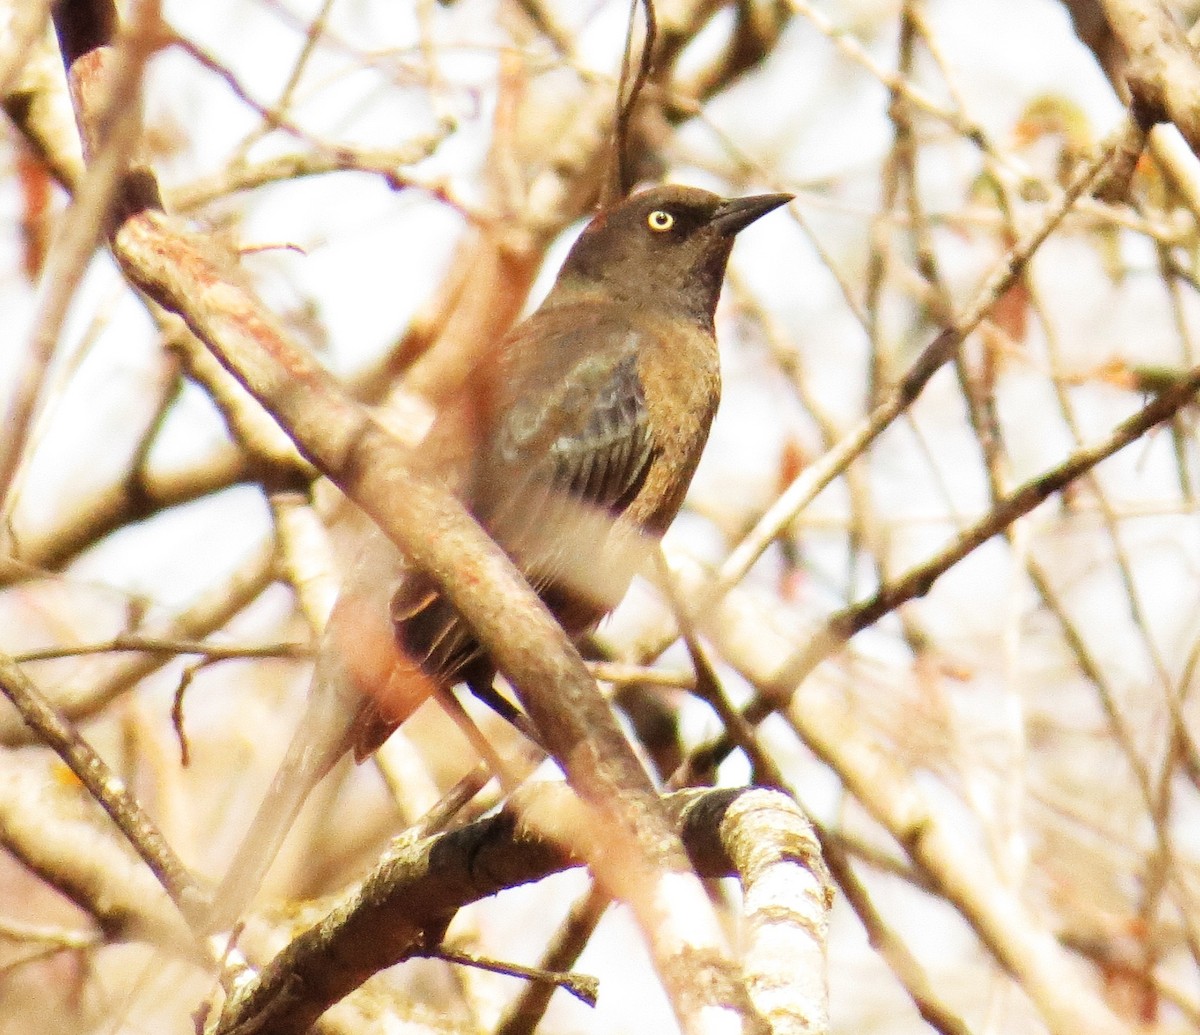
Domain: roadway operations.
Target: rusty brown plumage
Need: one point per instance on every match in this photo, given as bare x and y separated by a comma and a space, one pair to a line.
590, 423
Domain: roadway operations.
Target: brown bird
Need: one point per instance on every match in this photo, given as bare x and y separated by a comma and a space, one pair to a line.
590, 424
587, 426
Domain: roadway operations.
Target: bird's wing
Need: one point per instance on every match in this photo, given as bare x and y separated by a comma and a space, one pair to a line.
601, 458
569, 448
582, 428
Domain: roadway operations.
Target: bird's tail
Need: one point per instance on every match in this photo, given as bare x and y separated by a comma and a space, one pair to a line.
318, 742
360, 675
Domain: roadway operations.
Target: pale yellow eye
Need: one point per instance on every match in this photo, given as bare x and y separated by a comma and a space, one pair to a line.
660, 221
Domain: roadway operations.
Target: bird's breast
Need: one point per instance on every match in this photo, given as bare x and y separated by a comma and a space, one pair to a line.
681, 380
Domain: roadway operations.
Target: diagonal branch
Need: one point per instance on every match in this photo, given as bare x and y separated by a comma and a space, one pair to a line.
632, 845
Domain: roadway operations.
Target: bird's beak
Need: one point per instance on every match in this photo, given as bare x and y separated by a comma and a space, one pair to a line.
735, 214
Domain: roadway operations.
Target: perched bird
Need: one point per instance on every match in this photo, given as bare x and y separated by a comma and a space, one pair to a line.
586, 425
597, 406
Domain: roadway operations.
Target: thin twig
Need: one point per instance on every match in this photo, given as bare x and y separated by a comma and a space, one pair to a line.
104, 785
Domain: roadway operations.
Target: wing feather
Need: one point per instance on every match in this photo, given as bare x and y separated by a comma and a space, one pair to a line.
572, 429
587, 437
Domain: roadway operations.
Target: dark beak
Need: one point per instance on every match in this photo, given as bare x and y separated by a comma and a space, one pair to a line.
735, 214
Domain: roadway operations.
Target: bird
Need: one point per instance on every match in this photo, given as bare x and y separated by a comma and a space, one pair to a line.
597, 406
582, 429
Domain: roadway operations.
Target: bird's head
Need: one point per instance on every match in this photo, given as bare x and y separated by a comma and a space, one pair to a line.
664, 248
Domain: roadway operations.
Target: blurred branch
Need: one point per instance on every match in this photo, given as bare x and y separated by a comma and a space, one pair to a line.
787, 897
1140, 48
529, 1007
272, 454
135, 643
404, 905
112, 131
816, 476
36, 106
896, 84
306, 557
125, 503
1156, 795
31, 92
213, 609
1094, 29
1162, 73
246, 176
891, 946
48, 825
53, 730
933, 838
582, 986
917, 581
757, 28
979, 392
620, 180
642, 858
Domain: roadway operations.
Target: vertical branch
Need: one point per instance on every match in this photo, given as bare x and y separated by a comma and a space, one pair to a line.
619, 182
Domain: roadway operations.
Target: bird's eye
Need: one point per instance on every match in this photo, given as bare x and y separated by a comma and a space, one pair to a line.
660, 220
